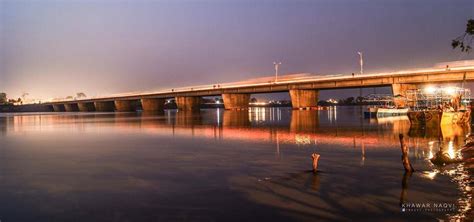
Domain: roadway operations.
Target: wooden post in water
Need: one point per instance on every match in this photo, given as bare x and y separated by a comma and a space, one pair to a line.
315, 158
406, 162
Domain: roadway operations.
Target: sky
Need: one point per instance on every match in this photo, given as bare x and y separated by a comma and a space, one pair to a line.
53, 49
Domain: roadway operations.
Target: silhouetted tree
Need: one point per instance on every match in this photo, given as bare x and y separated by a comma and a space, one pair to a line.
80, 95
3, 98
349, 100
465, 40
253, 100
23, 96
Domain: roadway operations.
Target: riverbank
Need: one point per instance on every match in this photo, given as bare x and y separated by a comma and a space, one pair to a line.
25, 108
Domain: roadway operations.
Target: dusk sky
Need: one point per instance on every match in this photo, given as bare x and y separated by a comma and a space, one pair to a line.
58, 48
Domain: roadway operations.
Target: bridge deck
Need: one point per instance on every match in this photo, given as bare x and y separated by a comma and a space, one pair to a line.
325, 82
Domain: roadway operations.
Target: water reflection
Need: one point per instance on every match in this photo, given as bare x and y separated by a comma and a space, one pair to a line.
403, 194
3, 126
299, 127
257, 159
236, 118
304, 121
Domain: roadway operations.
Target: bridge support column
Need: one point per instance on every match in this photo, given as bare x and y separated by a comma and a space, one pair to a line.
71, 107
86, 107
152, 104
304, 98
59, 108
124, 106
400, 94
188, 102
236, 101
107, 106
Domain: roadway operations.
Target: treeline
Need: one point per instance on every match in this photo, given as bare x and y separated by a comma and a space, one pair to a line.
349, 101
5, 101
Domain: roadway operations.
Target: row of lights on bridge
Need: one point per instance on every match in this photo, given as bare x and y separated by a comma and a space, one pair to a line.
276, 65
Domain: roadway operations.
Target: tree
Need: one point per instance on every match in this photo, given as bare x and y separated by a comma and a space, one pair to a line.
23, 97
69, 97
3, 98
349, 100
465, 40
80, 95
253, 100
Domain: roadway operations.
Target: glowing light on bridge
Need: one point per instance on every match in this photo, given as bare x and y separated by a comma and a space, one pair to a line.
287, 79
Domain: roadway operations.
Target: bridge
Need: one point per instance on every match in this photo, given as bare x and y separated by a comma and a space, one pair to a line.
304, 91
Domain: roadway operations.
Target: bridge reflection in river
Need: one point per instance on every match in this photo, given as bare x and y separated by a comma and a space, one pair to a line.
301, 127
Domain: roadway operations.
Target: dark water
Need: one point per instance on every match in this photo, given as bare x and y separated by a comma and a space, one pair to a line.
225, 166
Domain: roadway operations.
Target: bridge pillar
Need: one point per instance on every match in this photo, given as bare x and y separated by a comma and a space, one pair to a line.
188, 102
400, 90
71, 107
107, 106
304, 98
152, 104
86, 107
59, 108
124, 106
236, 100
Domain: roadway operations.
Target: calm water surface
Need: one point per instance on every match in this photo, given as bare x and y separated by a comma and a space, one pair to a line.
218, 165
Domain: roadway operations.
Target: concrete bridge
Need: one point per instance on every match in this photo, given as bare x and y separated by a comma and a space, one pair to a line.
304, 92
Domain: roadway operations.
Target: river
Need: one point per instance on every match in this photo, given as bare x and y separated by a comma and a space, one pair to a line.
217, 165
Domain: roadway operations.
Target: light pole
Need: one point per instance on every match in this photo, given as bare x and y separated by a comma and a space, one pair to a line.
277, 65
361, 61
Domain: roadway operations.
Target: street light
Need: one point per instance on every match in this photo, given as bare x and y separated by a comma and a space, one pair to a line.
277, 65
361, 62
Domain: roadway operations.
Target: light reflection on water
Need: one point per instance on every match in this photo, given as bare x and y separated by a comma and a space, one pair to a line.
223, 165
